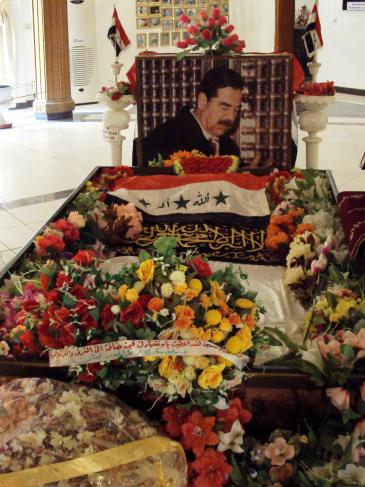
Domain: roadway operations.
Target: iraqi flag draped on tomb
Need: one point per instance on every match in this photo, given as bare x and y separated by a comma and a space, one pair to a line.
225, 199
313, 35
117, 35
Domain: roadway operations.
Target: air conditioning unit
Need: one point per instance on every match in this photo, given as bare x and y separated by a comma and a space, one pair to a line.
82, 50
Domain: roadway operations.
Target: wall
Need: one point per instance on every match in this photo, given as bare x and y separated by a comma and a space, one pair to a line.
254, 21
342, 55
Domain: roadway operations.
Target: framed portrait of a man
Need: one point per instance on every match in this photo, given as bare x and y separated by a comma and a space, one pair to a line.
179, 12
165, 39
141, 41
175, 37
155, 21
142, 10
167, 12
167, 25
153, 39
143, 23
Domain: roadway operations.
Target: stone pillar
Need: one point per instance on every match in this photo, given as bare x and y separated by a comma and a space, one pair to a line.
51, 52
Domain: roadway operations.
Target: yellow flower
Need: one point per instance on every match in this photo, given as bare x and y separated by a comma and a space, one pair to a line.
201, 362
213, 317
217, 295
191, 294
196, 284
167, 367
205, 301
17, 329
245, 335
224, 361
217, 336
211, 377
244, 303
150, 358
180, 288
234, 345
344, 305
166, 290
131, 295
303, 439
146, 271
122, 291
226, 325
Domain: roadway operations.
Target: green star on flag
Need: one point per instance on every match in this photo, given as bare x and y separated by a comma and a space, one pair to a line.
221, 198
181, 203
144, 202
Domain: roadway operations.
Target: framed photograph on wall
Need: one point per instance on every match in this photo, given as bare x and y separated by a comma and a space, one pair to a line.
155, 21
141, 41
165, 39
191, 12
167, 25
166, 2
143, 23
153, 39
167, 12
175, 37
155, 10
142, 10
179, 11
353, 5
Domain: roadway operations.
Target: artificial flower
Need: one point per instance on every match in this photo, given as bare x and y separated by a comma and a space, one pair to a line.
339, 397
352, 474
232, 440
212, 469
197, 432
146, 270
211, 377
278, 452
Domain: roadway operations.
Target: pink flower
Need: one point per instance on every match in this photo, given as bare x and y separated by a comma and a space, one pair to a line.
279, 451
184, 19
221, 20
203, 15
215, 12
339, 397
206, 35
357, 341
182, 44
193, 29
229, 28
333, 347
319, 265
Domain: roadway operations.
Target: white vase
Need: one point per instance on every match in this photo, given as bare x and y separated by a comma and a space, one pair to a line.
115, 119
313, 120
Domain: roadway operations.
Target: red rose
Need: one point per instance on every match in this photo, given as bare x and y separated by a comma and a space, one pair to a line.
191, 41
201, 267
206, 35
203, 15
144, 299
90, 373
116, 96
221, 20
62, 279
107, 316
184, 19
59, 317
87, 322
69, 230
193, 29
84, 257
182, 44
229, 28
78, 291
133, 313
46, 338
240, 46
67, 335
216, 12
210, 22
82, 307
52, 296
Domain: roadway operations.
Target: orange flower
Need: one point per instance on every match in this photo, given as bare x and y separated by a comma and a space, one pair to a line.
234, 319
304, 227
250, 321
182, 323
295, 213
155, 304
191, 294
185, 311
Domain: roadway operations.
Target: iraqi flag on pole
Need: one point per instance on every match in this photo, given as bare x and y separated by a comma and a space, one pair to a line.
313, 35
223, 199
117, 35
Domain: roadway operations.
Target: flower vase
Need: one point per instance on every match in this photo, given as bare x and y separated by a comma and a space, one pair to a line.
313, 120
115, 119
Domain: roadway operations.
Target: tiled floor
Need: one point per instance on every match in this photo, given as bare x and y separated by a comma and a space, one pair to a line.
39, 159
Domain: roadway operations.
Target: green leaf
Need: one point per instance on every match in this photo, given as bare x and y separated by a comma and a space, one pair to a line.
283, 338
69, 301
349, 415
236, 475
335, 274
144, 255
165, 246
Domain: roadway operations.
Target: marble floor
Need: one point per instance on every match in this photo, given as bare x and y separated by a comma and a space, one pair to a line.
42, 162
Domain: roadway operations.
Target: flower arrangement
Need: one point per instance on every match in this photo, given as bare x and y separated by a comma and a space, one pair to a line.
115, 92
71, 302
212, 33
326, 88
194, 162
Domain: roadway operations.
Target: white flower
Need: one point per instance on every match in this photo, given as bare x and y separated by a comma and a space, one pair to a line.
324, 472
293, 275
76, 219
221, 404
352, 474
313, 356
232, 440
4, 348
298, 250
166, 290
115, 309
177, 277
164, 312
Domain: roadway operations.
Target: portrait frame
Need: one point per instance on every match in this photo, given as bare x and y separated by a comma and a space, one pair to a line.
175, 37
153, 40
142, 10
143, 22
167, 25
155, 22
165, 39
155, 10
167, 13
191, 12
141, 41
179, 11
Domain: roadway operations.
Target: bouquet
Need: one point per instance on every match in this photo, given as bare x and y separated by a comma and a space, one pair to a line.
116, 91
194, 162
213, 34
317, 89
163, 297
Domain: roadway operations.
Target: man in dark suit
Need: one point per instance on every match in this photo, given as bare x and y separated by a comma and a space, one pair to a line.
206, 127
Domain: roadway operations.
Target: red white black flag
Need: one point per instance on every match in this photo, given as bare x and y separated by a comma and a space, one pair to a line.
313, 35
117, 35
